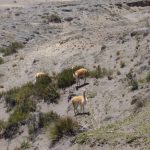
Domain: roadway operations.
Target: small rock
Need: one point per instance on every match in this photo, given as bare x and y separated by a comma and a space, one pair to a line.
1, 86
34, 61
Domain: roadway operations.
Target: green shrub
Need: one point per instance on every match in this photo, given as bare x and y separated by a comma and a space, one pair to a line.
2, 125
40, 86
45, 80
46, 119
63, 126
148, 77
11, 49
24, 145
18, 116
17, 95
134, 84
32, 129
65, 78
1, 60
51, 94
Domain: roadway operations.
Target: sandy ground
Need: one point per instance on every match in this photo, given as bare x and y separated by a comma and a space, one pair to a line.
26, 3
53, 47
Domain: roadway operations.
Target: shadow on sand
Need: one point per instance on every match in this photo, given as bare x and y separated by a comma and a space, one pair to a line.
85, 113
78, 87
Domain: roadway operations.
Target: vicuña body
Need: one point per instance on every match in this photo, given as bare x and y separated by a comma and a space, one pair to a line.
79, 100
80, 74
40, 74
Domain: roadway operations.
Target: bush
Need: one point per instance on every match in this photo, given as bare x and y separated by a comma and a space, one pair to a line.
17, 95
43, 88
134, 84
11, 49
54, 18
1, 60
63, 126
65, 78
132, 81
10, 130
18, 116
44, 80
46, 119
2, 125
148, 77
51, 94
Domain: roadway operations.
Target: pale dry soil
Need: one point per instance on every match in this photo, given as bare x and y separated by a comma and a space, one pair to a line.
96, 24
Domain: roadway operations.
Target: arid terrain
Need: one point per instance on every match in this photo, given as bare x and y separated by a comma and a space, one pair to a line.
112, 34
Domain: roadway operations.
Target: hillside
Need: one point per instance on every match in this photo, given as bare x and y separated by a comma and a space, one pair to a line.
111, 38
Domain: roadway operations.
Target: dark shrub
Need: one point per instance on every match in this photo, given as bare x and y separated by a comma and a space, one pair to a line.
54, 18
63, 126
51, 94
17, 95
65, 78
10, 130
46, 119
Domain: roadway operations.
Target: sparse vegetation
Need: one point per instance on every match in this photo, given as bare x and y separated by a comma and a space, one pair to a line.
43, 88
25, 145
100, 72
54, 18
122, 64
118, 73
17, 95
1, 60
2, 125
148, 77
46, 119
63, 126
17, 116
118, 53
11, 49
112, 133
132, 81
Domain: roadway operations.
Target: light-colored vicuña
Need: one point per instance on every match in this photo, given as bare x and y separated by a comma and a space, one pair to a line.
79, 100
39, 75
80, 74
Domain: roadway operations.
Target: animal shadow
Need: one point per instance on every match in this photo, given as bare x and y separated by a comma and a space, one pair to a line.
78, 87
85, 113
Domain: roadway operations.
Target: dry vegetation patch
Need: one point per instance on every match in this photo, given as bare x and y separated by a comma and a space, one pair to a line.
11, 49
